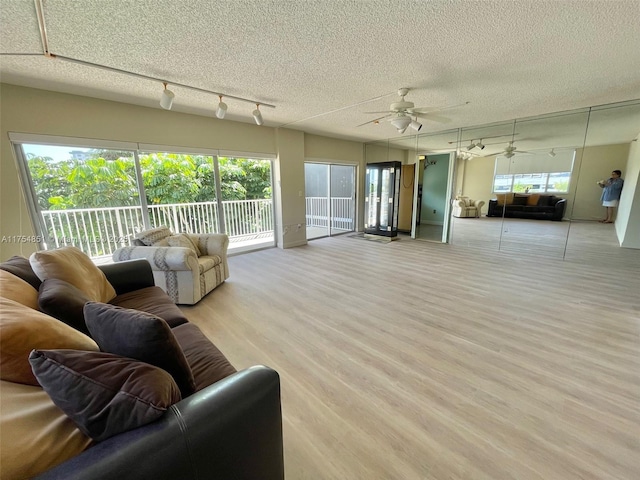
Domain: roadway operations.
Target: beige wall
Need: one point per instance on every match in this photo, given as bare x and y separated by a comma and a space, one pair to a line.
628, 222
475, 179
33, 111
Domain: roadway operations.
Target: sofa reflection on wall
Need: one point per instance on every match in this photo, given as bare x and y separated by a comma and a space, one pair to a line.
533, 205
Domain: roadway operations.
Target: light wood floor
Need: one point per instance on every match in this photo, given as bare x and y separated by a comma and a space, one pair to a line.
416, 360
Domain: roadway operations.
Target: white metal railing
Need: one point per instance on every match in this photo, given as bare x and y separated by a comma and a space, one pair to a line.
342, 212
100, 231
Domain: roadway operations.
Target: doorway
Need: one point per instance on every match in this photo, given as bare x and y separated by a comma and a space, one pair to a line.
329, 199
434, 190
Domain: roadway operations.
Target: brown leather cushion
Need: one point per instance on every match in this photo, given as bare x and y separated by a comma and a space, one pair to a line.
63, 301
520, 200
21, 267
152, 300
207, 363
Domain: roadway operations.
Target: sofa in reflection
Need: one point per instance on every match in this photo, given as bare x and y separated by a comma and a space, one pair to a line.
533, 205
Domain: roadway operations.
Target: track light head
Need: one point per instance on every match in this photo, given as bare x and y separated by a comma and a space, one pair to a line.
166, 100
471, 146
222, 109
416, 125
552, 153
509, 154
480, 145
257, 115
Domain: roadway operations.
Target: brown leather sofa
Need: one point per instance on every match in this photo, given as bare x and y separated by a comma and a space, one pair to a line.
229, 429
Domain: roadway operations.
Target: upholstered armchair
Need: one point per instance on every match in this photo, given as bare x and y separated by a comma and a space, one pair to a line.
186, 266
464, 207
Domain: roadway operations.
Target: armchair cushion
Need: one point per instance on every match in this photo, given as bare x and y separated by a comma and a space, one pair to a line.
182, 240
149, 237
104, 394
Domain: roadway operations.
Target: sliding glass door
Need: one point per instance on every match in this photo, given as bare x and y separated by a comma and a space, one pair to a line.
330, 199
83, 197
97, 198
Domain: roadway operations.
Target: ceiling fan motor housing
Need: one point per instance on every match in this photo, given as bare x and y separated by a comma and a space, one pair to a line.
401, 106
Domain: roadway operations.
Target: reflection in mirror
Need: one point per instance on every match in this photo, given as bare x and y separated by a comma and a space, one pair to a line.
611, 143
540, 176
475, 185
435, 167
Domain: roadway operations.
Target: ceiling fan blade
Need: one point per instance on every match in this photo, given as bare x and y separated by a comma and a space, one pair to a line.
432, 117
382, 111
373, 121
438, 109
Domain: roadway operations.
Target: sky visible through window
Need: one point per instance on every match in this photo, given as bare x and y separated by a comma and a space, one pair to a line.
58, 154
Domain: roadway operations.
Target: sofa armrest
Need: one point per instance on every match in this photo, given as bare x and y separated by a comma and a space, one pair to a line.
161, 259
231, 429
559, 209
495, 210
129, 276
214, 244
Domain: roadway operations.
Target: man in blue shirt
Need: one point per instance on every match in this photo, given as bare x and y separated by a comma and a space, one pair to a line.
611, 192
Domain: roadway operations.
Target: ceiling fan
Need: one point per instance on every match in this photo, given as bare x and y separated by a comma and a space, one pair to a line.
509, 151
404, 114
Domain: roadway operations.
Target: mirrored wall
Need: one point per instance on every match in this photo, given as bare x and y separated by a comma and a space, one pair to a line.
532, 181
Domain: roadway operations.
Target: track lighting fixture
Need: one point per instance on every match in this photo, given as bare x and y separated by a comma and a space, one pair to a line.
257, 116
416, 125
480, 145
471, 146
222, 108
401, 123
552, 153
166, 100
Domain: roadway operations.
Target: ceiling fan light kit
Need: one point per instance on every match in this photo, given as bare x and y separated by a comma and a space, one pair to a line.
415, 125
401, 113
401, 123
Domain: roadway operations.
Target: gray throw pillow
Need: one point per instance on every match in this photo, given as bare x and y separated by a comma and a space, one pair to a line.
139, 335
104, 394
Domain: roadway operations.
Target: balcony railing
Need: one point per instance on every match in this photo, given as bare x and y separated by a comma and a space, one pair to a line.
342, 212
100, 231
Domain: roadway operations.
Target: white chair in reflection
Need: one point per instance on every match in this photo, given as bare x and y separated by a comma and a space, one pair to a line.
464, 207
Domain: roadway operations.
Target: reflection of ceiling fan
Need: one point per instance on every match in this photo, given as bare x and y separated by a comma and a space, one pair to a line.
465, 155
509, 151
403, 114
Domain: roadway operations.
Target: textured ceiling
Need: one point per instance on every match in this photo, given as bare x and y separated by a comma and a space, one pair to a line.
321, 62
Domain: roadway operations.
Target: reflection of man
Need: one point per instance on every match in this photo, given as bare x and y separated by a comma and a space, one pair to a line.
611, 192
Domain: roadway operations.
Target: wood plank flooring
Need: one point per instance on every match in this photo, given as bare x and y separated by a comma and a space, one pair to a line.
416, 360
